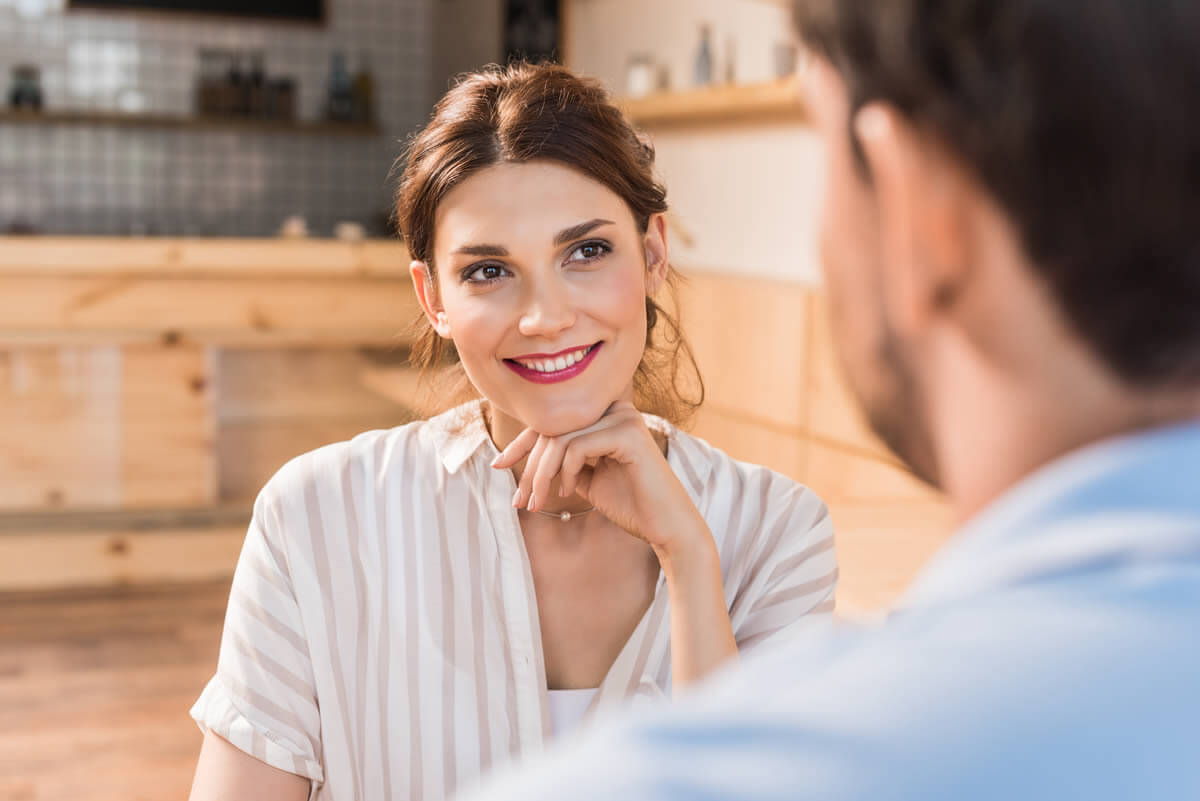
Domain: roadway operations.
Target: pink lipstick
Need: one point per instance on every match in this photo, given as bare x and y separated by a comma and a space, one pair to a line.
526, 366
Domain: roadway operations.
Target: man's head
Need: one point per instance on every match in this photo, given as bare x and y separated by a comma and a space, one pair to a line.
1012, 193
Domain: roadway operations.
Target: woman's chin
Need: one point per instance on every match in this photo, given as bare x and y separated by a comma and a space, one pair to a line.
557, 422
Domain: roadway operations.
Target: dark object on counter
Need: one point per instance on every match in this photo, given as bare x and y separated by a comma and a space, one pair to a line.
20, 227
26, 90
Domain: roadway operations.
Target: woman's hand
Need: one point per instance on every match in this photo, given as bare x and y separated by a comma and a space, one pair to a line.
617, 466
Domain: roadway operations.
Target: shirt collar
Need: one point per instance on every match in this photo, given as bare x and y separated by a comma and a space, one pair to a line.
1127, 499
461, 433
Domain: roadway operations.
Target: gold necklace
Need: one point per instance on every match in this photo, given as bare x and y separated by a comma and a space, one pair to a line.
566, 516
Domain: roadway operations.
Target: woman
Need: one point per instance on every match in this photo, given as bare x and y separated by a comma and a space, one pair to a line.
418, 604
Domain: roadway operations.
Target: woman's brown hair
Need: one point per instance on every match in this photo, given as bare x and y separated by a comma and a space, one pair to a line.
524, 112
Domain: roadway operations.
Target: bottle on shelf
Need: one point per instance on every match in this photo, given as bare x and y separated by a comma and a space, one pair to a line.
363, 92
702, 71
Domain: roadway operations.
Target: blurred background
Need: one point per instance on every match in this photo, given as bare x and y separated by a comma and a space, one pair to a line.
198, 281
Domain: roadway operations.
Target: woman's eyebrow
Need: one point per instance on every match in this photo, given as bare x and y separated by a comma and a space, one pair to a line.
575, 231
482, 250
561, 238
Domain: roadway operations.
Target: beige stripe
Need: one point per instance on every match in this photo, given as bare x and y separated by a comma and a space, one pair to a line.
279, 714
316, 529
257, 612
260, 564
796, 560
748, 541
508, 662
475, 581
383, 670
798, 591
278, 672
649, 635
685, 462
412, 639
354, 537
749, 641
449, 608
539, 658
728, 538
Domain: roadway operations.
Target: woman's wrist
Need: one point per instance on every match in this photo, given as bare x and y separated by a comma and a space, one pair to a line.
689, 551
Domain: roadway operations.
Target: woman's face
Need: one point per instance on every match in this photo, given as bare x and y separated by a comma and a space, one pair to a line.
541, 282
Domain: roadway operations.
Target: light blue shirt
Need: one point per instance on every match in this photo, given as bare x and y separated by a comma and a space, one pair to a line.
1051, 651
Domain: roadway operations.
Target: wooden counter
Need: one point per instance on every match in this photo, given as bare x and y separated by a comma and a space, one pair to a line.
148, 387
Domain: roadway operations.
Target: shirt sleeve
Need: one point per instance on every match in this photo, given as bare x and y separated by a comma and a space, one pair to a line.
262, 698
785, 571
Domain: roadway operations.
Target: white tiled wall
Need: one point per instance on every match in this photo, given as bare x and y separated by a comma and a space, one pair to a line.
97, 179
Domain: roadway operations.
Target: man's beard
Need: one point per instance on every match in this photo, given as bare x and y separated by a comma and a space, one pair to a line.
897, 416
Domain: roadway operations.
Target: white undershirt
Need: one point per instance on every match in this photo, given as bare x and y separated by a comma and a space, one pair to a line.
567, 708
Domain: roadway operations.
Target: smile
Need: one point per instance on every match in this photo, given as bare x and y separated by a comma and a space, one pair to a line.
550, 369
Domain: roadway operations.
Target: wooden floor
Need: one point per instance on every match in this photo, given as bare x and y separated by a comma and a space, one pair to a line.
95, 688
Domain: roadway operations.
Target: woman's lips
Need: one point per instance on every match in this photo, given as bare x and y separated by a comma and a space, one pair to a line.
554, 376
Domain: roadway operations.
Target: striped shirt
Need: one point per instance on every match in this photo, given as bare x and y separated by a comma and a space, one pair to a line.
382, 633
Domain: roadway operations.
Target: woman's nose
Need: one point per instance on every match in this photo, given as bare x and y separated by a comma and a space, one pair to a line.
549, 312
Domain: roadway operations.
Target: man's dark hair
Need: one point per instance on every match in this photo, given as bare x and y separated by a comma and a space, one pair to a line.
1082, 119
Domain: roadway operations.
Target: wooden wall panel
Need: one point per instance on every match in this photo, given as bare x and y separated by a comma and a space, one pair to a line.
268, 311
274, 405
748, 335
103, 427
90, 558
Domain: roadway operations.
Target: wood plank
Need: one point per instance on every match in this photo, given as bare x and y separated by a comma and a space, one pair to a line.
249, 452
774, 101
782, 450
250, 311
845, 476
304, 383
100, 427
168, 427
834, 412
95, 686
201, 257
41, 560
881, 547
750, 339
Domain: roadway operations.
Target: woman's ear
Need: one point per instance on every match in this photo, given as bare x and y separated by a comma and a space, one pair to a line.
657, 253
423, 283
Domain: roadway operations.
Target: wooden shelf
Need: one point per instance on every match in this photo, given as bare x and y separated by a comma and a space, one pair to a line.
778, 101
186, 122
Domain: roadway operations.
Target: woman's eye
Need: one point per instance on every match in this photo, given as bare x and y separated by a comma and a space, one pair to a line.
484, 273
590, 251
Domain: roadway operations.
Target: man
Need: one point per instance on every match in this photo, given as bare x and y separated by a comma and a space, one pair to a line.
1011, 241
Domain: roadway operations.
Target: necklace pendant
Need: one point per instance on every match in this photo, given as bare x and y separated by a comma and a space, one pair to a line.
565, 517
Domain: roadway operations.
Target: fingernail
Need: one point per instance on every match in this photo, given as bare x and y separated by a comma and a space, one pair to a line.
532, 502
517, 499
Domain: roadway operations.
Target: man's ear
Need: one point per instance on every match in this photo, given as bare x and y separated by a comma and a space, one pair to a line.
423, 283
657, 253
922, 204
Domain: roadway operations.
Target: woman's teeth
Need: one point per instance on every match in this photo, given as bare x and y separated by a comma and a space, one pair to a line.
554, 365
